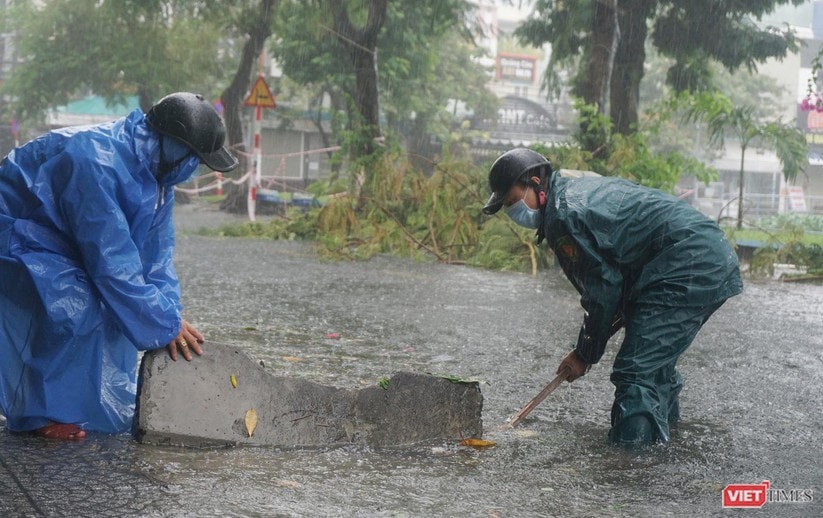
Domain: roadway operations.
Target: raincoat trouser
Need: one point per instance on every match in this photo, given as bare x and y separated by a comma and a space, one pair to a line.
656, 264
647, 382
86, 273
47, 376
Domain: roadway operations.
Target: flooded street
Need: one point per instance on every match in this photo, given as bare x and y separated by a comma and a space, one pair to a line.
752, 407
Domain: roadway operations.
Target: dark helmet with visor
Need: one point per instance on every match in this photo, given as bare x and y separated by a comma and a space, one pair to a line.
510, 167
192, 120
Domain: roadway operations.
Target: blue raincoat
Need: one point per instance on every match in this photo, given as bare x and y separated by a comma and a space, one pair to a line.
86, 274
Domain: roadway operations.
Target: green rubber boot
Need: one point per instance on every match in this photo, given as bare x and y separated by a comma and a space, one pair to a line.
634, 431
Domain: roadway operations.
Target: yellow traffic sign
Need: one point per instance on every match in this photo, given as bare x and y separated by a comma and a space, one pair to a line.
260, 95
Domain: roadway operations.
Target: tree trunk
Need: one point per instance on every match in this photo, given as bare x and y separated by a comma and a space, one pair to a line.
361, 46
596, 83
234, 95
628, 67
595, 87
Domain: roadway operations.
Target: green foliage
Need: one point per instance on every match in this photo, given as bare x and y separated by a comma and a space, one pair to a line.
399, 210
295, 225
405, 213
114, 49
693, 34
763, 235
722, 116
595, 130
425, 58
788, 245
686, 34
626, 156
814, 97
807, 222
508, 247
631, 158
668, 133
396, 209
321, 189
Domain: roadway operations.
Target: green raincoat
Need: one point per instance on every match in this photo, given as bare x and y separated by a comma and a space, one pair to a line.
645, 260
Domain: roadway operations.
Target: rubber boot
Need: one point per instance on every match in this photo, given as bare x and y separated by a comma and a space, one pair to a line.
671, 386
633, 431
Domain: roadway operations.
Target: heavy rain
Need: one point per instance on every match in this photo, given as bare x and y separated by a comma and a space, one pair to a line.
751, 408
350, 244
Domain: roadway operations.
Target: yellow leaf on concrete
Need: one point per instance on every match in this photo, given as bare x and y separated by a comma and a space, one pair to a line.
233, 381
477, 443
251, 421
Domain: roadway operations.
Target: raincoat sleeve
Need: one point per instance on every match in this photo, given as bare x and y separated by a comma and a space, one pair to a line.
159, 270
87, 195
600, 285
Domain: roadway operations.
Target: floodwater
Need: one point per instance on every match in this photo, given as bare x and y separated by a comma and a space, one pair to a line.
752, 407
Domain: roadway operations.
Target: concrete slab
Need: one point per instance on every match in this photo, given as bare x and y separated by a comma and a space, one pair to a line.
205, 403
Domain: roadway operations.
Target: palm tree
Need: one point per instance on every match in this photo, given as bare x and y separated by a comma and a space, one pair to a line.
722, 117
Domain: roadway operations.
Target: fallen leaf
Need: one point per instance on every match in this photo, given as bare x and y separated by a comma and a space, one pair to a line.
292, 359
477, 443
233, 381
333, 336
251, 421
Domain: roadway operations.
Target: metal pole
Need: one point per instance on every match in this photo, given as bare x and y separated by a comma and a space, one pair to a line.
254, 179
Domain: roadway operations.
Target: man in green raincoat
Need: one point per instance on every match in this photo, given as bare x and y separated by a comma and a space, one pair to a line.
641, 260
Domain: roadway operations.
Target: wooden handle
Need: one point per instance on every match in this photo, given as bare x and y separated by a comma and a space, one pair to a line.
536, 400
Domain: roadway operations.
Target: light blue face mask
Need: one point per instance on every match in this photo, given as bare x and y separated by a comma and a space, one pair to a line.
174, 150
172, 154
524, 215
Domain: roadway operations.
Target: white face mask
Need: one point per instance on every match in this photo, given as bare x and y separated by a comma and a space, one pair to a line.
524, 215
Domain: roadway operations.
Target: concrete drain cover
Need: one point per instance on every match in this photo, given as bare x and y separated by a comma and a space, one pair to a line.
225, 398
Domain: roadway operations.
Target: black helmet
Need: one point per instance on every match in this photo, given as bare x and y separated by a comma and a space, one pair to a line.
193, 121
507, 169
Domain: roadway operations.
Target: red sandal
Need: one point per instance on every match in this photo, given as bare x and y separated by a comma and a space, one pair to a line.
62, 431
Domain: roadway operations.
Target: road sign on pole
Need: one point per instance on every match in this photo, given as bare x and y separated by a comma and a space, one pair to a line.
260, 95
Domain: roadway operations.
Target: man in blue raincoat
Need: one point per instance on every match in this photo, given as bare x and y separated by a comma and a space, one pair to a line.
641, 260
86, 273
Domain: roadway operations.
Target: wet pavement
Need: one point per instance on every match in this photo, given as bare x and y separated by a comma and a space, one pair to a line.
752, 407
